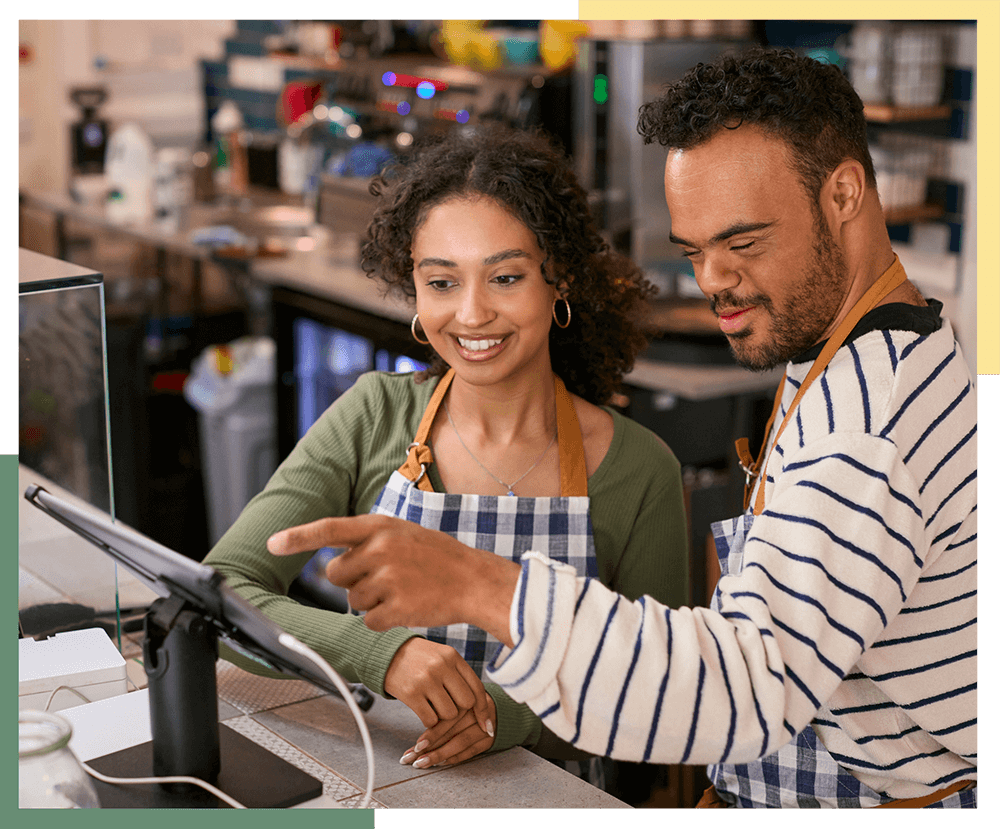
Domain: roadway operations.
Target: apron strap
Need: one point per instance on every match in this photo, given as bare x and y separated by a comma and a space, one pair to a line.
883, 286
419, 455
927, 799
572, 462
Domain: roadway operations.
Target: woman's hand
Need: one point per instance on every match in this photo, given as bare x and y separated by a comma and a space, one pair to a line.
451, 741
438, 685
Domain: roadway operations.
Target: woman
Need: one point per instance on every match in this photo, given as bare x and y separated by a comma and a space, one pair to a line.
503, 442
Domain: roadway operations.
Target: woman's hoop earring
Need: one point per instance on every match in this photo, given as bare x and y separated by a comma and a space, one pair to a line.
413, 330
569, 312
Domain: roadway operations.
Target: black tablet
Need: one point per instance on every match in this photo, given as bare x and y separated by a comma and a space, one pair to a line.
239, 624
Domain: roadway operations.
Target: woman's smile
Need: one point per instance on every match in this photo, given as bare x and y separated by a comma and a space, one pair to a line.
480, 348
482, 297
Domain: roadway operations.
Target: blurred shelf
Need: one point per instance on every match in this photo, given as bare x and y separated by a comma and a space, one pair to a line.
916, 213
886, 114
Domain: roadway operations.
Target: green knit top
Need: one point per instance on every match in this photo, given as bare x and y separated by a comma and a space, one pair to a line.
339, 468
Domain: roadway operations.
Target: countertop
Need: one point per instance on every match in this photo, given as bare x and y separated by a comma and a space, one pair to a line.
301, 723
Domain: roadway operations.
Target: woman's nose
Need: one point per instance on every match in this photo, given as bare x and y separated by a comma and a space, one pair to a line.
475, 309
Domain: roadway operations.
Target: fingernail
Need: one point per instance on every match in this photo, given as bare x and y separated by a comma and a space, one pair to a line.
422, 763
489, 727
421, 746
407, 758
274, 544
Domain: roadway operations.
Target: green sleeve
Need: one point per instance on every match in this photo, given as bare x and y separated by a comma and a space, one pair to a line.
321, 477
654, 560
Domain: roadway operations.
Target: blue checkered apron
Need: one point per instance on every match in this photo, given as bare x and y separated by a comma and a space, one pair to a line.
802, 773
507, 525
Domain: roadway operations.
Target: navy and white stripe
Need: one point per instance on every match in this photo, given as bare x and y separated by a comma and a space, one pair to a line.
854, 607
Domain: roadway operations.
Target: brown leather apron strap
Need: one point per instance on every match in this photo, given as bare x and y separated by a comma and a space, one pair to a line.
883, 286
419, 456
572, 461
710, 799
927, 799
747, 463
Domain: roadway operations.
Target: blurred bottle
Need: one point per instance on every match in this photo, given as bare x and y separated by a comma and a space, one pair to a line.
231, 170
129, 170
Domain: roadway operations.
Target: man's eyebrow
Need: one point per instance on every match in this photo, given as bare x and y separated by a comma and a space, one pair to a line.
492, 259
729, 232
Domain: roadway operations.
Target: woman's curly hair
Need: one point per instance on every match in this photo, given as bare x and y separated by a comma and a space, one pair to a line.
525, 173
809, 105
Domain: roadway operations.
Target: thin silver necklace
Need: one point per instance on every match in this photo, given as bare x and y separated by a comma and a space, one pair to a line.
510, 487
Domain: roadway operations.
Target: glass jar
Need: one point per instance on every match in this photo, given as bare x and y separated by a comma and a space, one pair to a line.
48, 774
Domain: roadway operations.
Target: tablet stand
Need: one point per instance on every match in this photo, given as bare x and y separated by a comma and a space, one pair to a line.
179, 650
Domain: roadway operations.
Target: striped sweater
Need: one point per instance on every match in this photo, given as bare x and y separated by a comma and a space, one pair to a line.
855, 609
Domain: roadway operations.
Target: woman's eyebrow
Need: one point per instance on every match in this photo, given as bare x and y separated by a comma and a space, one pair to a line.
434, 262
492, 259
729, 232
511, 253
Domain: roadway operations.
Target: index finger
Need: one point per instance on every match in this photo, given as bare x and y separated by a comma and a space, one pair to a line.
326, 532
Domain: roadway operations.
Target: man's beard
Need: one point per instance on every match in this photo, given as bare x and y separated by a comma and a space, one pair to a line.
804, 316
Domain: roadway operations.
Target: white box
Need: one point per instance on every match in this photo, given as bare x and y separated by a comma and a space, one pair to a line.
86, 660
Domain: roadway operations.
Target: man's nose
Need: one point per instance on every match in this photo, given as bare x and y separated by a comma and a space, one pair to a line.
714, 275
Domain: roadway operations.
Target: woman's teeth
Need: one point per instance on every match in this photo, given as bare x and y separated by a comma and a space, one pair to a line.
478, 345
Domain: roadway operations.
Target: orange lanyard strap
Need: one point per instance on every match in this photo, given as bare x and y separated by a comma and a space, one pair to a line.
572, 461
884, 285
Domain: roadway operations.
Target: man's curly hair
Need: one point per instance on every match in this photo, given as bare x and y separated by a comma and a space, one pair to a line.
526, 174
809, 105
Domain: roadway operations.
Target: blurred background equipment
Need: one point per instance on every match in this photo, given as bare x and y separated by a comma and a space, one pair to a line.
90, 133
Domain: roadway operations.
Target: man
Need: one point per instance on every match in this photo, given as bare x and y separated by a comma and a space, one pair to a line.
837, 666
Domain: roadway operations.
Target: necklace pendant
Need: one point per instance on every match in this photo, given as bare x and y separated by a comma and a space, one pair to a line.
510, 491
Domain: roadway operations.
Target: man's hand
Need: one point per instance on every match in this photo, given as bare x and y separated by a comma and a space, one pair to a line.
404, 574
437, 684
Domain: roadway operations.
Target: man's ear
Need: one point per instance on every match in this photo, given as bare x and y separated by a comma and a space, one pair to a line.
844, 193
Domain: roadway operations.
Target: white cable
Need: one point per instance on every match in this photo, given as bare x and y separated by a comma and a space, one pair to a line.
176, 779
55, 691
291, 643
294, 644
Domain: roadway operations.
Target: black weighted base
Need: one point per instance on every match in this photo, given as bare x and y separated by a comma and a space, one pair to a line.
250, 774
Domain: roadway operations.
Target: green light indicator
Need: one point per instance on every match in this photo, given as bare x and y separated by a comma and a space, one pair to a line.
601, 89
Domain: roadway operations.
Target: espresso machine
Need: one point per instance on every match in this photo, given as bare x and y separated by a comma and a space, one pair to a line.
624, 176
394, 100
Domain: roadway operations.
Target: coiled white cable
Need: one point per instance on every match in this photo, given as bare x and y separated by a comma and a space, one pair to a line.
293, 644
